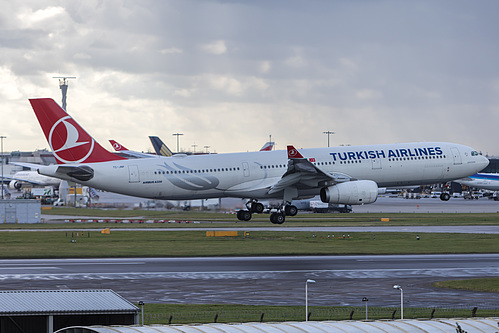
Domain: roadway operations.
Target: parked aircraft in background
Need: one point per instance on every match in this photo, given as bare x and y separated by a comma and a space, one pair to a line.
486, 181
122, 149
162, 149
344, 175
159, 147
268, 146
31, 177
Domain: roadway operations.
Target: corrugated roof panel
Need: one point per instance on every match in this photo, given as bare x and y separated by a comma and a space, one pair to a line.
398, 326
56, 301
475, 324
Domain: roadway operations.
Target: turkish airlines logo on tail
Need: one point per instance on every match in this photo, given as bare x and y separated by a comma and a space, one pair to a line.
69, 142
117, 146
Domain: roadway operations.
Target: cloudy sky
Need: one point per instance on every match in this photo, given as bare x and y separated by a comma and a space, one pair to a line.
227, 74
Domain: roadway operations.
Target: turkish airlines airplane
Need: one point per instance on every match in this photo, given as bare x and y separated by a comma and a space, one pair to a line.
122, 149
343, 175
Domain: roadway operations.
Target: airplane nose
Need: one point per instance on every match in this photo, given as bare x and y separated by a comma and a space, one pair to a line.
484, 161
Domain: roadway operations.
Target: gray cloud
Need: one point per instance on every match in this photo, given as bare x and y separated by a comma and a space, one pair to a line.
372, 71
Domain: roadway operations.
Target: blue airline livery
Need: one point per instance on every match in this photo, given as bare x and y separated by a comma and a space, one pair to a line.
486, 181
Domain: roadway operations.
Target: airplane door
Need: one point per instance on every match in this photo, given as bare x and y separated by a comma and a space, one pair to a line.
133, 174
376, 163
456, 156
246, 170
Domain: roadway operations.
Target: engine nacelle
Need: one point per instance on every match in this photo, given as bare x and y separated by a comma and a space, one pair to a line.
15, 184
356, 192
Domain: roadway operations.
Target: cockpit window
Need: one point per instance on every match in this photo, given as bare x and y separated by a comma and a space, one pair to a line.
474, 153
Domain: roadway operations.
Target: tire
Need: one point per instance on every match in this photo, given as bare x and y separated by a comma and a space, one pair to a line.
279, 218
272, 218
257, 207
245, 215
291, 210
445, 196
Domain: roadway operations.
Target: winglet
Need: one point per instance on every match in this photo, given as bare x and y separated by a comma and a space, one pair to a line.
293, 153
69, 142
117, 146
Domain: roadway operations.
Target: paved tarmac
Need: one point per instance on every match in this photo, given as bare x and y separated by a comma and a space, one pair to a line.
340, 280
387, 204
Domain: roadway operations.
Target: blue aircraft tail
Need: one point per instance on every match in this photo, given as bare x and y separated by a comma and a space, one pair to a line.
159, 147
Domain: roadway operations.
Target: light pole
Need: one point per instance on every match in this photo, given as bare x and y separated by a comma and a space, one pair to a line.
141, 303
306, 297
177, 134
1, 138
328, 133
401, 300
364, 299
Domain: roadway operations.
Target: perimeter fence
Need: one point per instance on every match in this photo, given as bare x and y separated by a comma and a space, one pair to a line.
321, 314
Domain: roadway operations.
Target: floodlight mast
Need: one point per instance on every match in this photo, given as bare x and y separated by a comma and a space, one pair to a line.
63, 84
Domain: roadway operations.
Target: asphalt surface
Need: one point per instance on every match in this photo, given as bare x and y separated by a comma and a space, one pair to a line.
340, 280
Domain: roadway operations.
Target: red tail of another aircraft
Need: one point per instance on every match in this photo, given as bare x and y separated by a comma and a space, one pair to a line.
69, 142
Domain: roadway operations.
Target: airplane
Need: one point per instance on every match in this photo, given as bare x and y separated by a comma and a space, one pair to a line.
122, 149
486, 181
159, 147
268, 146
32, 177
343, 175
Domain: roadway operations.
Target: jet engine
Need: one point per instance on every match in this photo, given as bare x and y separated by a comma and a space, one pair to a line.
356, 192
15, 184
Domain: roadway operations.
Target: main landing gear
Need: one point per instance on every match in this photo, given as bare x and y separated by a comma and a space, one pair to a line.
445, 196
276, 218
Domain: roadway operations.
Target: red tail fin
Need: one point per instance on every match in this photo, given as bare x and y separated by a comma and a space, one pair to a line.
117, 146
293, 152
69, 142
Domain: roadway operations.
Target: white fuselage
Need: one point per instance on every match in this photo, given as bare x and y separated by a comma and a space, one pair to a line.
486, 181
251, 174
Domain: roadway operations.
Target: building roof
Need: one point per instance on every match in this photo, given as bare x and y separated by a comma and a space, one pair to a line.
387, 326
29, 302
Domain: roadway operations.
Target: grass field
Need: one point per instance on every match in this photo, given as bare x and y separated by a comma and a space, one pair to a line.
197, 313
226, 220
485, 284
143, 243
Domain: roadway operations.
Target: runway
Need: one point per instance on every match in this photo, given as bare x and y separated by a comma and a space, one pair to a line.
340, 280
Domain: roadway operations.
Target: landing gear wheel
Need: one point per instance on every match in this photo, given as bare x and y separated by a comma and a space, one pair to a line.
243, 215
290, 210
257, 207
445, 196
277, 218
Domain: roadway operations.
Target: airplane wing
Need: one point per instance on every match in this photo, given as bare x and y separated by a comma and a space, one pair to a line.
121, 149
24, 180
31, 166
302, 173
